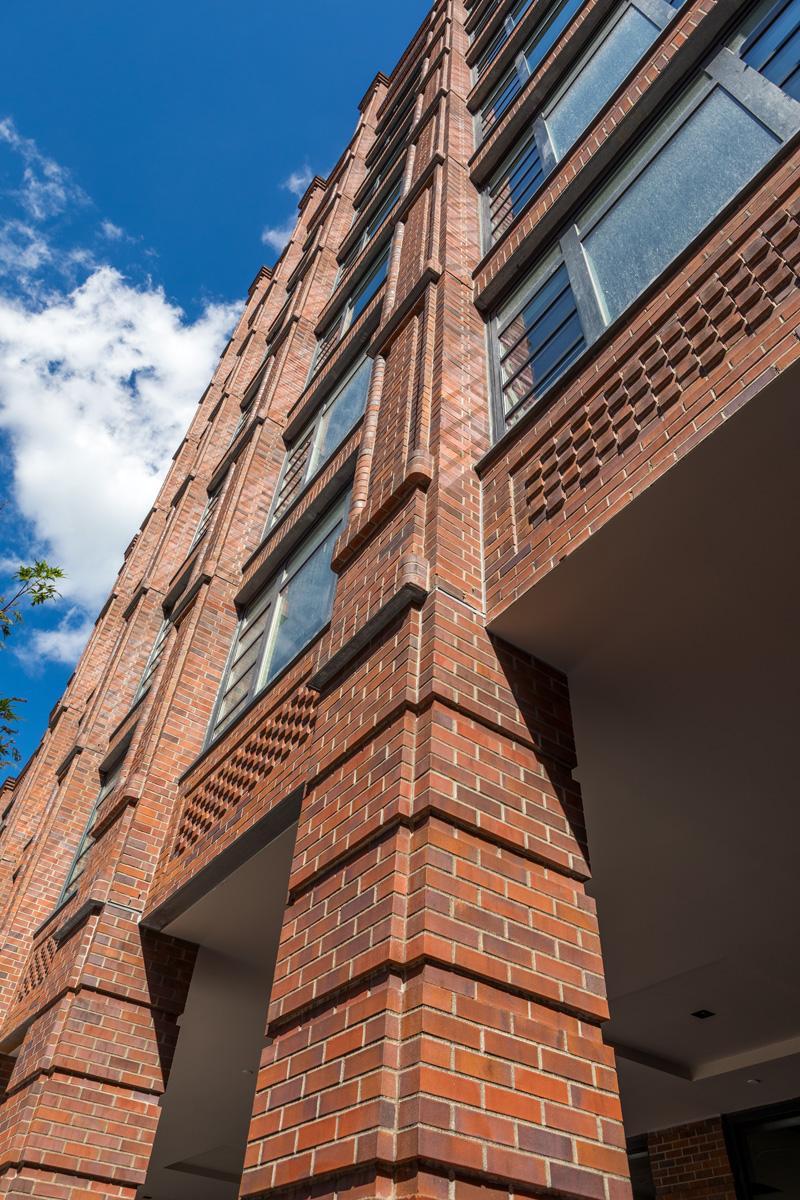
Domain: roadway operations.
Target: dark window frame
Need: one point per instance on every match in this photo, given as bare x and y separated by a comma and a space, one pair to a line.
311, 432
385, 205
265, 601
723, 67
514, 79
734, 1126
108, 781
348, 312
153, 660
659, 12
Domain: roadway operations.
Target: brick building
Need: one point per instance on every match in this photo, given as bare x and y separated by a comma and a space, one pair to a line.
476, 563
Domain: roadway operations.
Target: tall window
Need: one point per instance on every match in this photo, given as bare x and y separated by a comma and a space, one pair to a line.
612, 54
311, 449
544, 37
383, 211
714, 138
367, 286
107, 785
208, 512
154, 658
280, 622
771, 44
510, 22
382, 173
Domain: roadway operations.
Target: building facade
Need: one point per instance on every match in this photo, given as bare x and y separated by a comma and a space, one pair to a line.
475, 566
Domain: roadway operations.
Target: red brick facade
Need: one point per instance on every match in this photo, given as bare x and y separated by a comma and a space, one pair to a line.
691, 1162
436, 1009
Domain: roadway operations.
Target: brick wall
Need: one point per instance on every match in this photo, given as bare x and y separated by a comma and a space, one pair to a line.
435, 1019
690, 1162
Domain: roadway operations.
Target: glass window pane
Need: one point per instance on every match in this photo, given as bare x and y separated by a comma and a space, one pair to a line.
550, 31
369, 287
499, 100
611, 57
384, 210
671, 200
304, 605
771, 44
295, 472
343, 413
510, 193
510, 22
540, 341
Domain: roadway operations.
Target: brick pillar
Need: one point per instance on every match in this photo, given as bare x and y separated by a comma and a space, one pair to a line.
690, 1162
435, 1015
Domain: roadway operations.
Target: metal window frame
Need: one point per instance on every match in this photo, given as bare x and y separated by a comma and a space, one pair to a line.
314, 424
153, 660
504, 31
341, 323
660, 12
212, 500
723, 68
561, 252
521, 68
78, 865
384, 207
335, 513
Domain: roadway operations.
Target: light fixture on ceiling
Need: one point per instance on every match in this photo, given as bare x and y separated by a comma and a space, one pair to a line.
703, 1014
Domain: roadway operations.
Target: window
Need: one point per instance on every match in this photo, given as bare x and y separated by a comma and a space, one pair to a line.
509, 24
640, 1169
309, 452
108, 783
772, 44
485, 19
207, 513
539, 334
367, 287
544, 37
764, 1149
512, 187
732, 121
276, 626
383, 211
612, 54
153, 660
383, 173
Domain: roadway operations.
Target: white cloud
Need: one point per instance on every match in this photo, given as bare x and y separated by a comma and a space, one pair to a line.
97, 385
298, 181
96, 389
47, 188
61, 645
277, 236
22, 249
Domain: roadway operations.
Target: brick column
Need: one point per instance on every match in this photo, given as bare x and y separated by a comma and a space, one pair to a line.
435, 1016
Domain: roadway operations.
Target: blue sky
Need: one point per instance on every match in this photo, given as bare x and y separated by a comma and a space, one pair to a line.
151, 158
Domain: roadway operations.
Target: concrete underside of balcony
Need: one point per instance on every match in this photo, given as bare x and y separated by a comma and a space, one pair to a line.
677, 625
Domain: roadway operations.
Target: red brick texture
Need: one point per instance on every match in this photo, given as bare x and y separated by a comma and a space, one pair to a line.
434, 1025
691, 1162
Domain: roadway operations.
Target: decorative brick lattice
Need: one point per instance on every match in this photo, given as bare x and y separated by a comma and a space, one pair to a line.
38, 968
740, 295
267, 747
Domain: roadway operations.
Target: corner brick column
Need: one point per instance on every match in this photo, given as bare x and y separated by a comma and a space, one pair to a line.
435, 1015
